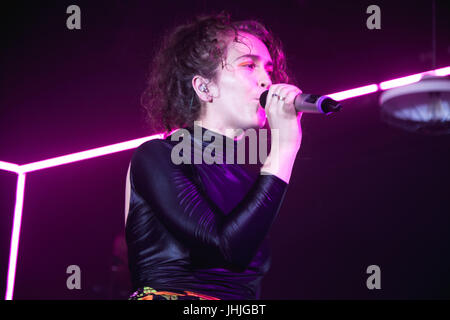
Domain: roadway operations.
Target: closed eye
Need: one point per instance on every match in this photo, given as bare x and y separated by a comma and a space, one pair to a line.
249, 65
252, 65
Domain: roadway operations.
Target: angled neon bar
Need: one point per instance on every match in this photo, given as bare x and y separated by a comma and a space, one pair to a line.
88, 154
12, 167
14, 249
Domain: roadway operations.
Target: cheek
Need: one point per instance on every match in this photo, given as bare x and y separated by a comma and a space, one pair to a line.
237, 87
230, 87
249, 78
242, 79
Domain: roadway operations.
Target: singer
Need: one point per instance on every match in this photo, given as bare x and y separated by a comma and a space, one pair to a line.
199, 231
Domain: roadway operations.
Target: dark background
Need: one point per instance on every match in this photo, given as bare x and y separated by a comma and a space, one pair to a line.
361, 193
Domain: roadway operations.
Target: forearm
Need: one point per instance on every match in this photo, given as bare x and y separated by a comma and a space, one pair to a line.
248, 224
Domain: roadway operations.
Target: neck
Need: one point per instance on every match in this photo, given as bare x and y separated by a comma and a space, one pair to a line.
232, 133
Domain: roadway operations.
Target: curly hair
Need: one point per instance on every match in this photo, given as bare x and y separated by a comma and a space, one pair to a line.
197, 48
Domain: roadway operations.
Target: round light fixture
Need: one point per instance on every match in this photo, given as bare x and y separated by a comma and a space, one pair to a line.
422, 107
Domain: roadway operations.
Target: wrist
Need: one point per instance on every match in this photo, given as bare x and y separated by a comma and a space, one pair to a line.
279, 164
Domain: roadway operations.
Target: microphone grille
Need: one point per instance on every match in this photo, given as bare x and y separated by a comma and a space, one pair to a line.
263, 98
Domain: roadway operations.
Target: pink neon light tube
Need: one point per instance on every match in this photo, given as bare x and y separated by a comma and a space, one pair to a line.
14, 246
347, 94
9, 166
413, 78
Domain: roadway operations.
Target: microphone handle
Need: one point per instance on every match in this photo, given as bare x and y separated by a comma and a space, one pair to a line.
310, 103
313, 103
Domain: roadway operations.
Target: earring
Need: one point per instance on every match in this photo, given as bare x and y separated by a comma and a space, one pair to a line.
203, 88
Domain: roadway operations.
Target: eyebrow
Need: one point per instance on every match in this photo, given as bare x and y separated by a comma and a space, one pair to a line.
254, 57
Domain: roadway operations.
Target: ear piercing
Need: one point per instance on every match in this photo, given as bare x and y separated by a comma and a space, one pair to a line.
203, 88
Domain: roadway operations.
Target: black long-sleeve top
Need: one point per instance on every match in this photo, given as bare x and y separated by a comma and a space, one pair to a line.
199, 227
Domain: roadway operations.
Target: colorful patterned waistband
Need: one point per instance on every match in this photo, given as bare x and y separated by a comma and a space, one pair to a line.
148, 293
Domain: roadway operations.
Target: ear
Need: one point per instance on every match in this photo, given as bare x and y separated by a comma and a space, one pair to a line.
202, 88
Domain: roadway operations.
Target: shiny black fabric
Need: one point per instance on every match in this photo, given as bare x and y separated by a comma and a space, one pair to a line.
199, 227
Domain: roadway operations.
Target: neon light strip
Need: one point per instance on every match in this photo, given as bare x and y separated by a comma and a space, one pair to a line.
347, 94
389, 84
88, 154
442, 72
400, 82
9, 167
413, 78
21, 170
14, 249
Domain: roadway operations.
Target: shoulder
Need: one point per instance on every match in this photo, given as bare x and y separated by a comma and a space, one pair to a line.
152, 150
153, 145
160, 153
153, 164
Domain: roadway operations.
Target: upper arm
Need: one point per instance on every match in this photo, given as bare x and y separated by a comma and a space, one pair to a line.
176, 199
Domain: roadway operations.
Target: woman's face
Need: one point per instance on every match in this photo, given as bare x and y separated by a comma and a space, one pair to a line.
239, 84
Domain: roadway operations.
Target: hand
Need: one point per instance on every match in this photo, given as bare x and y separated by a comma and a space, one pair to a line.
281, 115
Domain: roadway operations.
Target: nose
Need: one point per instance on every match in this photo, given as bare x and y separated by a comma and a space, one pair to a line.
264, 80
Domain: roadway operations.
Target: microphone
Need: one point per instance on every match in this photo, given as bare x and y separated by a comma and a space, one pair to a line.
311, 103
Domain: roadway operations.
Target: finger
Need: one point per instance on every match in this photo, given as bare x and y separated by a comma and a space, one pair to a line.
269, 97
285, 89
287, 96
280, 94
289, 101
272, 97
291, 89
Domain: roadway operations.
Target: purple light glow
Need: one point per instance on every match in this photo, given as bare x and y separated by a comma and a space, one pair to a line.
21, 170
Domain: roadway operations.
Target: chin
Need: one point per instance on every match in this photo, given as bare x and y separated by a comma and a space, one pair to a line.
256, 122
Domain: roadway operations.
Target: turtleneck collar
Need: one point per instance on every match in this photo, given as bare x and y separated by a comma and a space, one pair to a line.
204, 137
